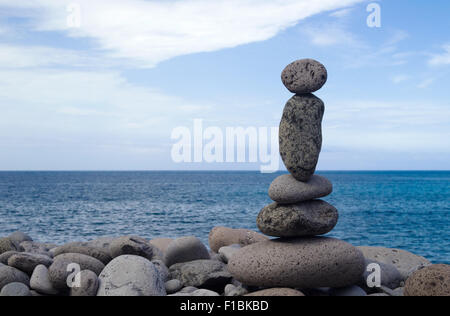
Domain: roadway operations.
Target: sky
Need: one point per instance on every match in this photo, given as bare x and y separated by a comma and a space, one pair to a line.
102, 85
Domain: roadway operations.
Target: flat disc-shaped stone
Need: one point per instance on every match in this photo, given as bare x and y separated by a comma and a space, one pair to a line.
300, 263
308, 218
287, 190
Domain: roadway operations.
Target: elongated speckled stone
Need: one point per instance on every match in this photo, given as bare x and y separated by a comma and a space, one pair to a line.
301, 135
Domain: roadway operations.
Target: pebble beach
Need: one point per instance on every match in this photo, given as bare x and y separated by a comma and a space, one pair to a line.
238, 262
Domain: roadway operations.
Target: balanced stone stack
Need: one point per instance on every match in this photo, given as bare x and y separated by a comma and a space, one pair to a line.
297, 212
299, 258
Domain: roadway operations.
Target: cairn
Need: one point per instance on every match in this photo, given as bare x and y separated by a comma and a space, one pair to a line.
297, 212
299, 258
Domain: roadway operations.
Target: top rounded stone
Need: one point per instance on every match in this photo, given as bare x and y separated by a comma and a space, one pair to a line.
304, 76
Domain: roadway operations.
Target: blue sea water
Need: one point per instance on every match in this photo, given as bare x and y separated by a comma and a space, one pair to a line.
407, 210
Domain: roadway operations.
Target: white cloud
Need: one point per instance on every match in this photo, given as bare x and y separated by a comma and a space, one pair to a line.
441, 59
16, 56
426, 83
354, 50
342, 13
149, 32
388, 126
396, 37
331, 34
87, 106
400, 78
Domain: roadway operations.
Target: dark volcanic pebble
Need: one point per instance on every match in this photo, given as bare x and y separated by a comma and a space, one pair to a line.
300, 135
304, 76
308, 218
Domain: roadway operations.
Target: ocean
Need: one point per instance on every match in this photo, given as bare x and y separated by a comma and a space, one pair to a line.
406, 210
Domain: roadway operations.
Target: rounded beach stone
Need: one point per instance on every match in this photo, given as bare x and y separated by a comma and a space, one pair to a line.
277, 292
161, 243
298, 263
206, 274
19, 237
37, 248
224, 236
430, 281
133, 245
217, 257
204, 293
130, 275
7, 245
287, 190
304, 76
163, 270
96, 253
233, 290
228, 251
40, 281
4, 257
15, 289
300, 135
58, 270
405, 262
27, 262
398, 292
11, 275
188, 289
179, 294
88, 284
173, 286
308, 218
101, 243
185, 249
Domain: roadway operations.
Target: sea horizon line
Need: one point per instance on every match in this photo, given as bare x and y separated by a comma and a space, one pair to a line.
214, 170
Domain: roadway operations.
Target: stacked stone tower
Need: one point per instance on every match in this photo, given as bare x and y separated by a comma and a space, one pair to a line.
296, 211
299, 258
